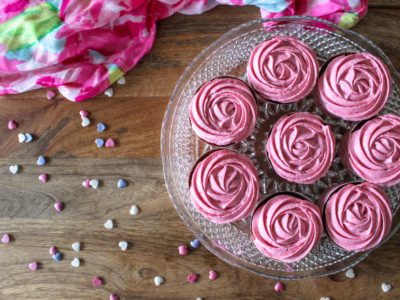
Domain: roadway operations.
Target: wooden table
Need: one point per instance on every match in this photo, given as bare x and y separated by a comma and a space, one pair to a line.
134, 117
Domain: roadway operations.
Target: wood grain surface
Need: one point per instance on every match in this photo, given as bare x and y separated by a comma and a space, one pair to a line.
134, 116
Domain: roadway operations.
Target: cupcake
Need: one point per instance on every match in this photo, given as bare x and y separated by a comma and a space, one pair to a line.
357, 216
372, 150
301, 147
283, 69
224, 186
286, 227
354, 87
223, 111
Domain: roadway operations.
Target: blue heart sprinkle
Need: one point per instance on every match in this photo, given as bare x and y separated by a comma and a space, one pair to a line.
122, 183
57, 256
99, 143
195, 243
28, 138
41, 161
101, 127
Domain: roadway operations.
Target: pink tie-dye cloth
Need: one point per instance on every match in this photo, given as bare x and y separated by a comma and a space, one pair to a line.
83, 46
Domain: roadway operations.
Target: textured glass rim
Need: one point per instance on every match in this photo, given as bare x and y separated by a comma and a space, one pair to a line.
165, 140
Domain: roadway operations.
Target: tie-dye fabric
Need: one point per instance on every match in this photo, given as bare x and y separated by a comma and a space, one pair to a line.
83, 46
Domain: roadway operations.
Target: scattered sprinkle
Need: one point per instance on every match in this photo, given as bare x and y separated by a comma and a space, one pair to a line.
386, 287
195, 243
350, 273
158, 280
325, 298
50, 94
85, 122
83, 114
114, 297
134, 210
199, 298
101, 127
59, 206
110, 143
76, 246
192, 278
109, 224
182, 249
33, 266
14, 169
76, 262
57, 256
109, 92
212, 275
12, 125
53, 250
41, 161
123, 245
99, 143
279, 286
86, 183
121, 80
122, 183
21, 137
5, 239
97, 281
43, 178
28, 138
94, 183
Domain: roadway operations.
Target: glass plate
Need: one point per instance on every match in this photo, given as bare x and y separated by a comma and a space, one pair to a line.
181, 148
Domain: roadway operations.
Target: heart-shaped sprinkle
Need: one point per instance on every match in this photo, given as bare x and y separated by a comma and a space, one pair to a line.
192, 278
33, 266
14, 169
59, 206
41, 161
86, 183
114, 297
50, 95
76, 246
195, 243
5, 239
350, 273
83, 114
123, 245
101, 127
279, 286
85, 122
94, 183
12, 125
21, 137
99, 143
109, 224
53, 250
121, 184
325, 298
76, 262
97, 281
212, 275
109, 92
57, 256
43, 178
28, 138
121, 80
134, 210
182, 249
158, 280
386, 287
110, 143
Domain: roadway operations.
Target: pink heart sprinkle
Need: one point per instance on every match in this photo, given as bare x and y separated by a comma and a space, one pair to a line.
43, 178
213, 275
50, 94
59, 206
110, 143
192, 278
114, 297
86, 183
53, 250
182, 250
83, 114
279, 286
5, 239
33, 266
12, 125
97, 281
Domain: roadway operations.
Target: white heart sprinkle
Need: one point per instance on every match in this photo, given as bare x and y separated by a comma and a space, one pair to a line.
76, 262
109, 224
123, 245
76, 246
158, 280
350, 273
199, 298
94, 183
85, 122
134, 210
121, 80
325, 298
109, 92
386, 287
21, 137
14, 169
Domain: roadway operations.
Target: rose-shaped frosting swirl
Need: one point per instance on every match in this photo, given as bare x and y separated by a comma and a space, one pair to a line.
224, 186
357, 217
286, 228
373, 151
223, 111
283, 69
301, 148
354, 87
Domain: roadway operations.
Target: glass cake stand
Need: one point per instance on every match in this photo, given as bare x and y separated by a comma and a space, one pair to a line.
181, 148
